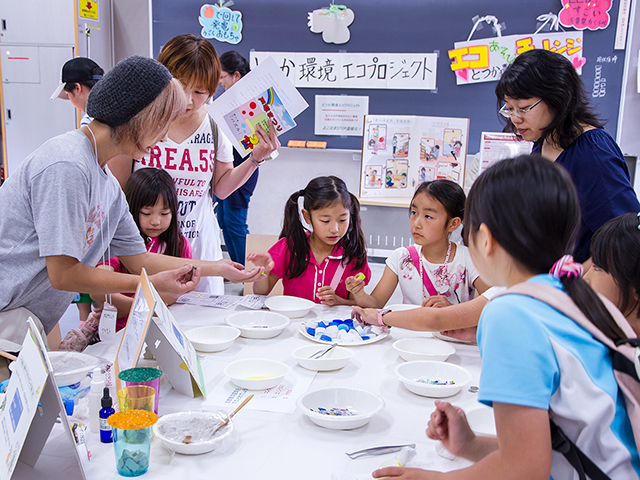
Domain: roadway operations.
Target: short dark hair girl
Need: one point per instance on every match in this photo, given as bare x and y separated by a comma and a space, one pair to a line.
448, 193
143, 189
531, 208
551, 77
615, 248
322, 192
233, 62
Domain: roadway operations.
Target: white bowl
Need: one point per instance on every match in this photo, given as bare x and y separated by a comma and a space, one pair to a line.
71, 367
292, 307
256, 373
482, 421
424, 348
214, 338
258, 324
172, 429
361, 402
410, 372
334, 360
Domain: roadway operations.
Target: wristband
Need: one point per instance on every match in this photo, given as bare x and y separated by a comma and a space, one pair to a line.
255, 162
380, 314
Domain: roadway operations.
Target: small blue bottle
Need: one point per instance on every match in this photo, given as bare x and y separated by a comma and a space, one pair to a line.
106, 434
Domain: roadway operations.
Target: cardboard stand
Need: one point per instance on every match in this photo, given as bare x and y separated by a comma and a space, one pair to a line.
32, 405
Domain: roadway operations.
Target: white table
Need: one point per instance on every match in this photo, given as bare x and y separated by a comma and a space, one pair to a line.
287, 446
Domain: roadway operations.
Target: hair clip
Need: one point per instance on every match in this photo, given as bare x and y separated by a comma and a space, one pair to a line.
638, 220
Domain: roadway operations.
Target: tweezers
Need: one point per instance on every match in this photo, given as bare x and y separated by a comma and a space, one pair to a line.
379, 450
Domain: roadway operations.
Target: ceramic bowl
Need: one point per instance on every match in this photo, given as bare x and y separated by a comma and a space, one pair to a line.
195, 428
292, 307
410, 373
423, 348
256, 373
258, 324
71, 367
362, 404
333, 360
214, 338
482, 421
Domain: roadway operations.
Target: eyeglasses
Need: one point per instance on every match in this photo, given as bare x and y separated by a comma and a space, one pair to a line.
516, 112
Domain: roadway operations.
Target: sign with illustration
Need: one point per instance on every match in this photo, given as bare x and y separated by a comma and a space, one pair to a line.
592, 15
476, 61
402, 71
221, 23
400, 152
89, 9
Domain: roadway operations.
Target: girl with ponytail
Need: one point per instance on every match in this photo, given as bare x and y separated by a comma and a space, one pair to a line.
315, 260
522, 217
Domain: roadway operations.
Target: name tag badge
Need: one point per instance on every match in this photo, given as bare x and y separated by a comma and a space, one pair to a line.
107, 329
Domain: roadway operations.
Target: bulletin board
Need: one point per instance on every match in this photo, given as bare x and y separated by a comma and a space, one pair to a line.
411, 26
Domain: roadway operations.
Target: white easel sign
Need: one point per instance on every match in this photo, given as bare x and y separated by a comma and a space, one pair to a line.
174, 352
32, 405
175, 355
136, 330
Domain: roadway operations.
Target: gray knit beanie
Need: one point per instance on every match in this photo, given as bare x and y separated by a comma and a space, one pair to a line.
127, 89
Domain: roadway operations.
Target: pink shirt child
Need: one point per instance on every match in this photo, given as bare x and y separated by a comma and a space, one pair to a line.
154, 246
315, 276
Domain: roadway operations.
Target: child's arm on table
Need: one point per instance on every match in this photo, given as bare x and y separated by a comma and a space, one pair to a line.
381, 293
430, 319
522, 450
266, 281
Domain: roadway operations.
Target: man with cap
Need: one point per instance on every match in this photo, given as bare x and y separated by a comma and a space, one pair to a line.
64, 209
77, 78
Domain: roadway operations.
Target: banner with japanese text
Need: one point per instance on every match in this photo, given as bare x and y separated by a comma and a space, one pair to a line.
484, 60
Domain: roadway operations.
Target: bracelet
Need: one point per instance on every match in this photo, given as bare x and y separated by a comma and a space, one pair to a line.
380, 314
255, 162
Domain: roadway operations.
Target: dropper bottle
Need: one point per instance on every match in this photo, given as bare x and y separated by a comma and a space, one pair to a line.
106, 433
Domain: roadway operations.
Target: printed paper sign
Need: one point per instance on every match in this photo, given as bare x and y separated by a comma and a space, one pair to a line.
221, 23
404, 71
263, 96
498, 146
581, 14
89, 9
265, 110
485, 60
340, 115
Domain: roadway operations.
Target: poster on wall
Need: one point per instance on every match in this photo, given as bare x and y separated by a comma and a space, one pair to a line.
399, 152
592, 15
340, 114
221, 23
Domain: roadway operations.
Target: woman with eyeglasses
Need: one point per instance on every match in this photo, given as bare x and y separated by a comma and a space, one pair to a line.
546, 102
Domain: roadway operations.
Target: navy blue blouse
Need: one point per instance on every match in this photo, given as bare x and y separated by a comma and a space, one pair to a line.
599, 171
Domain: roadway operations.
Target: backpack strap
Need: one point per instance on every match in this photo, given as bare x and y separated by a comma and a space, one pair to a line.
415, 258
214, 136
624, 356
578, 460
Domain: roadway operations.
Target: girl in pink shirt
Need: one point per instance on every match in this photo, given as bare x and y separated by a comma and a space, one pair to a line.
315, 260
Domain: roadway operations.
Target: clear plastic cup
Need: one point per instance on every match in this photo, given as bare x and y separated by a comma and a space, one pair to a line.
132, 440
143, 376
137, 397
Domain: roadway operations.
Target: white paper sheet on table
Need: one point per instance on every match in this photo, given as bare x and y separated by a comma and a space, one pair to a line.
280, 399
210, 300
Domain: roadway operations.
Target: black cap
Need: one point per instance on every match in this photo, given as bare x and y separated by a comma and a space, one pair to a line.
127, 89
106, 398
79, 69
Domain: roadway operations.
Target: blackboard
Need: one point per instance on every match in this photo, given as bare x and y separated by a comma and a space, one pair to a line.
411, 26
